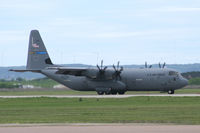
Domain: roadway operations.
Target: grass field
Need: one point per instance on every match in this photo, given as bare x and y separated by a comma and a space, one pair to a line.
178, 110
43, 82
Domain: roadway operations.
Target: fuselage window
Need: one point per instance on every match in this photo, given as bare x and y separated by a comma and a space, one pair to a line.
173, 73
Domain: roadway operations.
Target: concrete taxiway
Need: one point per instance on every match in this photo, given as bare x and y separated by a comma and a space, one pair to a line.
102, 96
100, 128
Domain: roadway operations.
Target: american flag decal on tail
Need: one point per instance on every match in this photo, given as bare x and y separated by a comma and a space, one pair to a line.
34, 44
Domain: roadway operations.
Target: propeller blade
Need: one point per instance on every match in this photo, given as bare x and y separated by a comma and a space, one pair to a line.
98, 67
145, 64
101, 64
118, 65
150, 66
164, 65
114, 67
159, 65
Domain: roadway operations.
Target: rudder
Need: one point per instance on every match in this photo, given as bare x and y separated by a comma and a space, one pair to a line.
38, 57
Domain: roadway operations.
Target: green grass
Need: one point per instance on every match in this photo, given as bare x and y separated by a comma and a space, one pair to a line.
8, 85
187, 91
194, 81
178, 110
48, 92
43, 83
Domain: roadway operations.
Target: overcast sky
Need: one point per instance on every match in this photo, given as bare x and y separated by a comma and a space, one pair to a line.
86, 31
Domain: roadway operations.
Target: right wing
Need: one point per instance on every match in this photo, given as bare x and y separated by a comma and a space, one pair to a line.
63, 70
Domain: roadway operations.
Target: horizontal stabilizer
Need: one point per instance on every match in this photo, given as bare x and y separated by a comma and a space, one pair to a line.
13, 70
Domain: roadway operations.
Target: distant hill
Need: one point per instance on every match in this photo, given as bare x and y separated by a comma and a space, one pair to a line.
190, 75
5, 74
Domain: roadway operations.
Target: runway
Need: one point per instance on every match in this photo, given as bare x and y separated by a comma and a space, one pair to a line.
102, 96
101, 128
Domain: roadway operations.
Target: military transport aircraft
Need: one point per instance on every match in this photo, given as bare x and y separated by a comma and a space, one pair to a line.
101, 79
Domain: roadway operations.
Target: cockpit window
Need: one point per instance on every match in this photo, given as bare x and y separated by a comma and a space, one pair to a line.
173, 73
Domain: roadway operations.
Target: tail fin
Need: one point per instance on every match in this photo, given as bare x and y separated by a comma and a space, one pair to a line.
38, 57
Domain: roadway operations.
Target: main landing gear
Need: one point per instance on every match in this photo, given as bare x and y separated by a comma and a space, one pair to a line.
111, 93
100, 92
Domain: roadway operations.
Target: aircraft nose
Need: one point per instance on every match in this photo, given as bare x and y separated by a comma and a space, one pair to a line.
184, 82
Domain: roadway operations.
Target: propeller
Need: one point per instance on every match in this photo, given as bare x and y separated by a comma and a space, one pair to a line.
101, 68
146, 66
162, 66
118, 70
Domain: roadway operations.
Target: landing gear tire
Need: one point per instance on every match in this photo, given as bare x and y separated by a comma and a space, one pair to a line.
100, 92
114, 92
121, 92
107, 93
171, 92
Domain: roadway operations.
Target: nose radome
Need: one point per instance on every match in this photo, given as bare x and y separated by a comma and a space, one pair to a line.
185, 82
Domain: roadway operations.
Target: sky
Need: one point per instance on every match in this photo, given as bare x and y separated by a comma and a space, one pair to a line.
86, 31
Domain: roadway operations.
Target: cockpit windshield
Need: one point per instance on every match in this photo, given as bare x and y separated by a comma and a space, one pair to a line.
173, 73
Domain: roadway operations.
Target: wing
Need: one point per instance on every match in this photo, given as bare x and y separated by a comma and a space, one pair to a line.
59, 70
14, 70
71, 71
88, 72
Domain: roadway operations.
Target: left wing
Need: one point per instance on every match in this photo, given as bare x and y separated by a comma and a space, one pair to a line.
59, 70
69, 71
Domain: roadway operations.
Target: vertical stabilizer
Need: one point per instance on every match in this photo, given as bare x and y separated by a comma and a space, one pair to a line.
38, 57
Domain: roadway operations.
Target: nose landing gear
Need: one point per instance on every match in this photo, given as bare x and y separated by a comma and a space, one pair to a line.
170, 91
